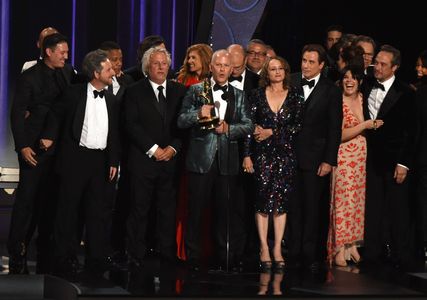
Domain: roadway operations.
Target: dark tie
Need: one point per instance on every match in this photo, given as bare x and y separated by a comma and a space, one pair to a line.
217, 87
100, 93
310, 83
378, 85
238, 78
162, 100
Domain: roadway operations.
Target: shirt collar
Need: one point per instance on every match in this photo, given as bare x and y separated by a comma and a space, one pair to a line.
213, 82
387, 83
316, 79
155, 85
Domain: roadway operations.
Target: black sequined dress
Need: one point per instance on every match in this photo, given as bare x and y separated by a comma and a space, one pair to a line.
274, 159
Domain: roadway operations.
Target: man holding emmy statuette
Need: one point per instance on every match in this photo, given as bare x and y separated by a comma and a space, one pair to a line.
217, 114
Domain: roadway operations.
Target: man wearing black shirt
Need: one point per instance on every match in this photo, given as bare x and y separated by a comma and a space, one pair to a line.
37, 89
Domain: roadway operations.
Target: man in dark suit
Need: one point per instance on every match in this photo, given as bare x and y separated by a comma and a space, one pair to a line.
389, 159
37, 90
421, 169
245, 80
121, 195
84, 124
241, 77
150, 111
120, 79
212, 158
317, 150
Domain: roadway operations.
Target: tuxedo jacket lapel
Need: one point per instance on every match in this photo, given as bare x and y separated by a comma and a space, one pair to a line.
317, 91
390, 99
80, 112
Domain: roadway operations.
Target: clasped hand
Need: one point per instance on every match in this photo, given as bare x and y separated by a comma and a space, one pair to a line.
260, 134
164, 154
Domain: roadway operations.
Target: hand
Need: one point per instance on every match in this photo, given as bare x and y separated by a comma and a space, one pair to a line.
158, 153
400, 174
28, 156
373, 124
113, 172
222, 128
45, 144
260, 134
324, 169
167, 154
205, 111
248, 165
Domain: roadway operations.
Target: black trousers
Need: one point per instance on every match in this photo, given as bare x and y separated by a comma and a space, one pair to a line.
421, 204
156, 188
85, 183
217, 189
34, 207
387, 215
309, 217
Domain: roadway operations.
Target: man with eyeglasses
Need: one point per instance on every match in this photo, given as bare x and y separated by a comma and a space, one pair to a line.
256, 55
368, 45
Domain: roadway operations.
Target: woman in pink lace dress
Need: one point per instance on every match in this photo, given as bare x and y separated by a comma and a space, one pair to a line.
347, 208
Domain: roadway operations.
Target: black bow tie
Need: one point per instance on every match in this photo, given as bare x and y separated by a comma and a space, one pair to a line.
379, 85
238, 78
219, 87
310, 83
100, 93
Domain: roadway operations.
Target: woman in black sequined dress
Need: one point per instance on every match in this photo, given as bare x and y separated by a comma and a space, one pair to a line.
276, 109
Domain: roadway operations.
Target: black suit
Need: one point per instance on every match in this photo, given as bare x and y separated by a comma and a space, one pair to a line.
249, 242
146, 125
83, 176
37, 90
421, 163
387, 207
317, 142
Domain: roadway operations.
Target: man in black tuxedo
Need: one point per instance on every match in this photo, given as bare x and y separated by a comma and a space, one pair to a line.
421, 168
241, 77
389, 159
317, 150
121, 195
120, 79
213, 159
150, 111
245, 80
84, 124
37, 90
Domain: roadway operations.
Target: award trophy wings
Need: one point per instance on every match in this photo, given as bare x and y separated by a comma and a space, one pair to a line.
211, 122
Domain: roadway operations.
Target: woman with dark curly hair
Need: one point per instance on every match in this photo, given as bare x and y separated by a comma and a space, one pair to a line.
276, 109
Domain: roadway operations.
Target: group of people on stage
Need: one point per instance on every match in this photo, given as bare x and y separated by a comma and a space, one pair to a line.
325, 158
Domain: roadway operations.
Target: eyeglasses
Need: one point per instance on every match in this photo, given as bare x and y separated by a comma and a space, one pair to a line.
253, 53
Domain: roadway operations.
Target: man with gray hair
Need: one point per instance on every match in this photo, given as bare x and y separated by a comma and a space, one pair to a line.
85, 127
256, 55
150, 112
213, 158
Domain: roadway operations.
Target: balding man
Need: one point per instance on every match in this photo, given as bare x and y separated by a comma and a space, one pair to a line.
212, 158
241, 77
43, 34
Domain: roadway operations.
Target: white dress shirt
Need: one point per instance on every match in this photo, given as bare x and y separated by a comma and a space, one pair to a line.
376, 97
116, 85
239, 84
95, 124
307, 89
219, 103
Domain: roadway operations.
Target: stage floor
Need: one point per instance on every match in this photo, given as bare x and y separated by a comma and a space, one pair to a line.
156, 279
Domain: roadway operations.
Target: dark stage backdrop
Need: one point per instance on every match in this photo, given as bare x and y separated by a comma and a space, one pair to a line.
286, 25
